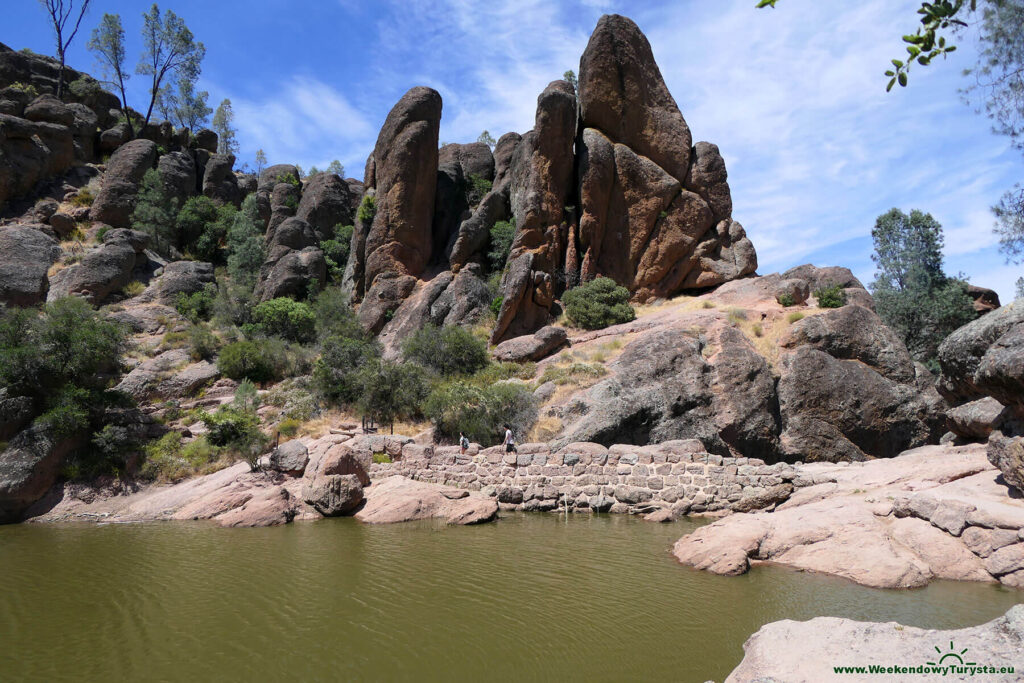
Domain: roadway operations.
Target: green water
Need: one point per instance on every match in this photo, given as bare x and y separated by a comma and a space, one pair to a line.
528, 598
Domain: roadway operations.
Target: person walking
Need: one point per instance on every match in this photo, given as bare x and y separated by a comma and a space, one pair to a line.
510, 441
463, 443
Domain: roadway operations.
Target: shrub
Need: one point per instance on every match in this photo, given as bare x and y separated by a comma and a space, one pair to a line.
502, 234
286, 318
597, 304
496, 303
573, 373
245, 360
85, 88
84, 197
167, 459
832, 296
786, 300
101, 232
245, 244
334, 317
336, 374
449, 350
155, 212
294, 399
203, 341
367, 209
289, 426
133, 288
381, 458
481, 412
336, 251
736, 315
202, 226
60, 356
391, 391
794, 317
476, 188
289, 178
198, 305
238, 430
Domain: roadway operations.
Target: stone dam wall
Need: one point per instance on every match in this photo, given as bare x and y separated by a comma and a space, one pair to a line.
676, 475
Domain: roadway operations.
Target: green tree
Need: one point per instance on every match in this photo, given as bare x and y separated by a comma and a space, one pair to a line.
183, 106
502, 234
223, 125
480, 411
336, 168
156, 212
912, 293
336, 375
570, 76
287, 318
60, 13
261, 160
202, 226
448, 350
245, 244
487, 139
169, 51
597, 304
107, 42
391, 391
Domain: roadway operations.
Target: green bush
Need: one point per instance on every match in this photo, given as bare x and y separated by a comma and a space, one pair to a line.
787, 300
246, 360
496, 303
156, 212
246, 246
448, 350
61, 357
391, 391
85, 88
367, 209
336, 375
336, 251
477, 188
202, 227
289, 178
198, 305
481, 412
238, 430
832, 296
334, 317
203, 341
286, 318
597, 304
167, 459
502, 234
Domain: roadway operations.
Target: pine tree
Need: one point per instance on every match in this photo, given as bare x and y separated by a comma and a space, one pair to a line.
223, 125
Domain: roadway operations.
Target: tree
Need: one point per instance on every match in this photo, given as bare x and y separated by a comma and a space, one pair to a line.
107, 42
487, 139
156, 212
928, 42
183, 106
261, 160
336, 168
170, 51
597, 304
912, 294
1020, 288
60, 15
246, 244
570, 76
391, 391
223, 125
449, 350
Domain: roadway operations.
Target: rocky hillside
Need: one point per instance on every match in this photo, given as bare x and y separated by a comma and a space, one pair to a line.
608, 183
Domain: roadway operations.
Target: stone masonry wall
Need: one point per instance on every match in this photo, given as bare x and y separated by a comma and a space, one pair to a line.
679, 475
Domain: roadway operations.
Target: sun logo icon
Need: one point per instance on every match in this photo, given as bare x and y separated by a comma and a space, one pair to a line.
952, 654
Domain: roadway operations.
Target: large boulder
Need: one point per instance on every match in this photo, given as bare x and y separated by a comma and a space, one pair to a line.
179, 277
326, 203
977, 419
985, 299
293, 262
28, 253
986, 358
28, 467
533, 347
219, 180
290, 457
474, 159
1007, 454
116, 200
178, 173
539, 187
104, 270
399, 241
333, 494
31, 152
397, 499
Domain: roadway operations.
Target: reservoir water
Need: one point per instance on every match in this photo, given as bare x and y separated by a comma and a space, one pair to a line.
531, 597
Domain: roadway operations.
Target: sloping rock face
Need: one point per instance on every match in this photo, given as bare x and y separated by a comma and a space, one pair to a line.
28, 468
938, 512
398, 244
986, 358
397, 499
28, 253
826, 642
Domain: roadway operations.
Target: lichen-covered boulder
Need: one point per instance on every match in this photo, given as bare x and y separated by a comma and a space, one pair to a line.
116, 200
28, 253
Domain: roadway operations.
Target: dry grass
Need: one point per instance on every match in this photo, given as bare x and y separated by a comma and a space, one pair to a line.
545, 429
327, 421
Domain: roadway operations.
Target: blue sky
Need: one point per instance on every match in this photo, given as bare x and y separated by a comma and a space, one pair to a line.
794, 98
